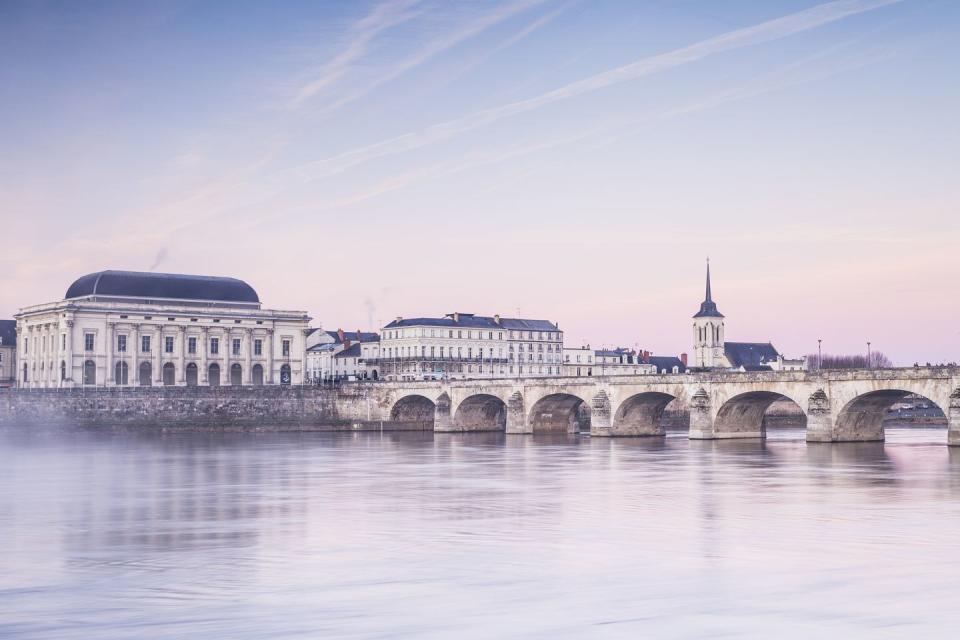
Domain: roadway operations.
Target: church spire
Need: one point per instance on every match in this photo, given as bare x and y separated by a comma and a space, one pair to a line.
708, 308
709, 298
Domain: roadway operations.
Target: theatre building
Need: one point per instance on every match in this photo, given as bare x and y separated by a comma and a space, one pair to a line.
124, 328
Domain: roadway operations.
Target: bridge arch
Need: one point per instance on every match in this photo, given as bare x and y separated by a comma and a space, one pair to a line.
742, 416
559, 413
639, 414
481, 412
862, 417
414, 410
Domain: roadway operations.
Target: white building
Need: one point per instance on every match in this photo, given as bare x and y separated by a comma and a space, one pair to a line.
711, 350
464, 345
8, 353
118, 328
323, 348
584, 361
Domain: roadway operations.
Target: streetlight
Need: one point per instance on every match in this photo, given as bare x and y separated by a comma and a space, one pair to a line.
819, 354
869, 364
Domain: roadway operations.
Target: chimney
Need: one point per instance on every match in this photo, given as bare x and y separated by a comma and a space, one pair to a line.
399, 318
359, 339
683, 359
496, 318
456, 316
340, 334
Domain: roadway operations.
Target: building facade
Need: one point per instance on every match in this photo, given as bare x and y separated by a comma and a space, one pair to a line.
464, 345
324, 347
122, 328
711, 350
8, 353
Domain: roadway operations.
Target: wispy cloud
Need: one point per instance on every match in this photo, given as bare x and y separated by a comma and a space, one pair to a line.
383, 17
435, 48
760, 33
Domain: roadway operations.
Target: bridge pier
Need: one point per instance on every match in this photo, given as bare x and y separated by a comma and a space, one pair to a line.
442, 420
516, 415
601, 422
819, 418
953, 420
701, 416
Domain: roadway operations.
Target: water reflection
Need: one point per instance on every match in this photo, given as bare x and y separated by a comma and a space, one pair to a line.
385, 535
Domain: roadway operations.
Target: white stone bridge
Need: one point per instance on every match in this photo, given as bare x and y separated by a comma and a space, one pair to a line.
839, 405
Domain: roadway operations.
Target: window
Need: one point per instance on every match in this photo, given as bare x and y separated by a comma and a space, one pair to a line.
286, 348
63, 342
122, 344
168, 344
235, 350
88, 342
214, 346
145, 344
258, 347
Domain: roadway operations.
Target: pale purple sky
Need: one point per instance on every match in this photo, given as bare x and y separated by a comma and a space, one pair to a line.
575, 160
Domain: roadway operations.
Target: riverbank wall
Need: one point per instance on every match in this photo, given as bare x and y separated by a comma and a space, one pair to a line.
200, 408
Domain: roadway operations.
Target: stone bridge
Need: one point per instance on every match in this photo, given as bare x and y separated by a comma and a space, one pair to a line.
839, 405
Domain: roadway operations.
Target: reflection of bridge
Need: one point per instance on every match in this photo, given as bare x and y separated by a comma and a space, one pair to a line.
838, 405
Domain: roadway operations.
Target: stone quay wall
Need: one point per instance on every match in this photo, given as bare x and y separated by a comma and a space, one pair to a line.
198, 408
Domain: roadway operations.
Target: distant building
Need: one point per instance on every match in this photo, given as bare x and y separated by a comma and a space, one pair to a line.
324, 347
119, 328
8, 353
464, 345
584, 361
711, 350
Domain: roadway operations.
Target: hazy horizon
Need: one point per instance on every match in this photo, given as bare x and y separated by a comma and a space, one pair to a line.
574, 160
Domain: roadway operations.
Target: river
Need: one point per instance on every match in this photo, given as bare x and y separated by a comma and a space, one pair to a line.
406, 535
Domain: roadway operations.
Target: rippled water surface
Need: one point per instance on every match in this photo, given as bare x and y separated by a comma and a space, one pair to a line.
476, 536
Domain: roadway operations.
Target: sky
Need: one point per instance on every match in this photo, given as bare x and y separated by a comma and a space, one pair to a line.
570, 160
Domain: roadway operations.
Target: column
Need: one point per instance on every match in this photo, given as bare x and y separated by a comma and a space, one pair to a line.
225, 350
133, 347
108, 350
203, 378
157, 355
182, 356
248, 356
268, 374
68, 356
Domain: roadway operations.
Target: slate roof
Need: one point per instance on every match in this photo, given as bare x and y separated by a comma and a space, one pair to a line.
471, 321
353, 351
667, 362
750, 354
355, 336
8, 333
138, 284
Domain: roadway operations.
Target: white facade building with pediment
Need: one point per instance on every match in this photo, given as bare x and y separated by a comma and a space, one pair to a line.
122, 328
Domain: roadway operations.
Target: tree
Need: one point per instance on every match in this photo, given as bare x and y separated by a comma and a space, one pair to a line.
878, 360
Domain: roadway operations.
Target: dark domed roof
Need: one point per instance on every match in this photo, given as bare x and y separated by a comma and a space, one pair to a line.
136, 284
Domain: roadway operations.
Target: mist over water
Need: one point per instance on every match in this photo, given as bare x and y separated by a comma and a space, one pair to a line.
476, 536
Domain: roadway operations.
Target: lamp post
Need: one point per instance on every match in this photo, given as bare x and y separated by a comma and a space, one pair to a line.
869, 363
819, 354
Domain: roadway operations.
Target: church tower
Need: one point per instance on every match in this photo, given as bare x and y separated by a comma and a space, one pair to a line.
708, 351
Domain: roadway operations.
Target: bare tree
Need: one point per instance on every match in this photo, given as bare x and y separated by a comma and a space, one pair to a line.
877, 360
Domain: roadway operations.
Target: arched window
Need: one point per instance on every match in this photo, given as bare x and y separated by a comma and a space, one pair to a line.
236, 375
169, 374
257, 374
89, 373
146, 374
63, 370
214, 375
121, 373
285, 376
25, 377
191, 374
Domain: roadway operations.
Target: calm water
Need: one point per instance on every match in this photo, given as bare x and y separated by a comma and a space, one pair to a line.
477, 536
